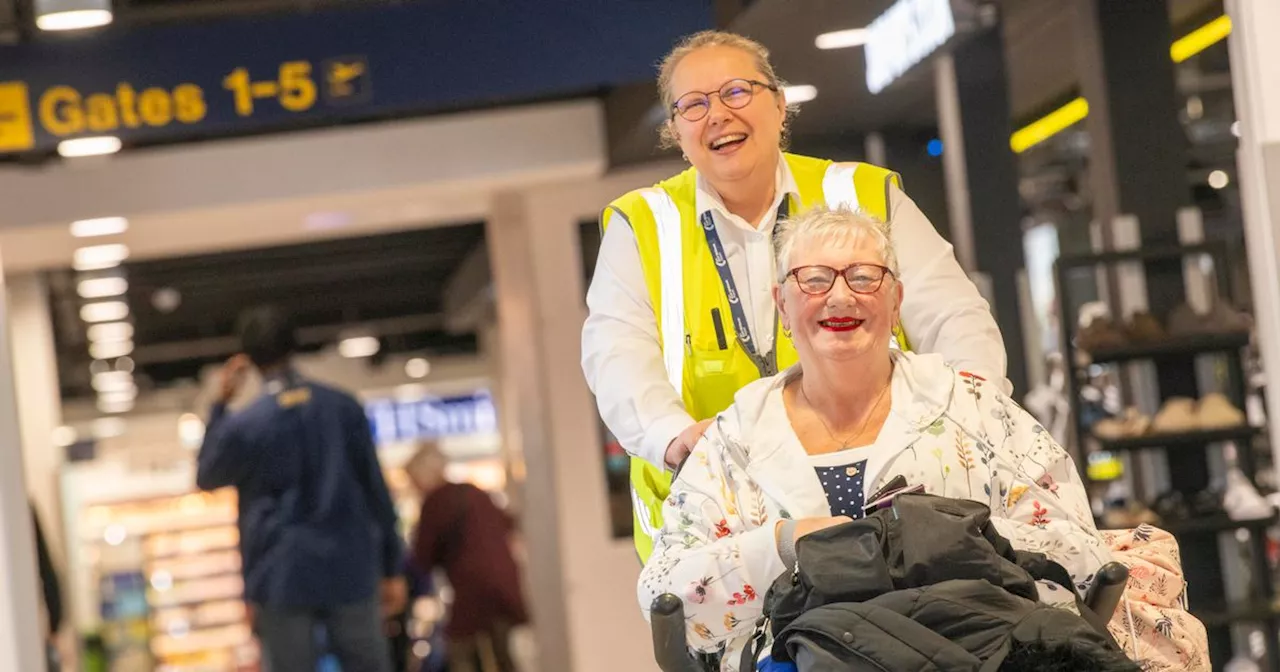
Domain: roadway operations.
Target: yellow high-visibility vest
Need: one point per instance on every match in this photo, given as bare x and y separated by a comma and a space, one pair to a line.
684, 286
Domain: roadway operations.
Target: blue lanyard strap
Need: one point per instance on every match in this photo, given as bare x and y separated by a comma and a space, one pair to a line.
767, 363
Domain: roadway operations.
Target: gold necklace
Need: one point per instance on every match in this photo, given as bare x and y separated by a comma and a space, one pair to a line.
844, 445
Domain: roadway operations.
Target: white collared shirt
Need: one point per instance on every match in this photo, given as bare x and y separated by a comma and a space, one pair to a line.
621, 351
750, 251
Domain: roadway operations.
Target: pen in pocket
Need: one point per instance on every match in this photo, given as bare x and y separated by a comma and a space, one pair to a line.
715, 321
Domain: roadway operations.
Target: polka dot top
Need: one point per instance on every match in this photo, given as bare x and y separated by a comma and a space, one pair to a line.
846, 487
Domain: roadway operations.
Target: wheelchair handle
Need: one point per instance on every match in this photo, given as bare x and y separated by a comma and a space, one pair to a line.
1107, 589
1105, 593
670, 642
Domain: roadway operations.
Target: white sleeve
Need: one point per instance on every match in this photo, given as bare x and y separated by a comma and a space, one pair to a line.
942, 310
622, 356
1042, 503
717, 550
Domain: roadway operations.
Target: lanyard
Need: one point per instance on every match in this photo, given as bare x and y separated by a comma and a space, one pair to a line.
767, 363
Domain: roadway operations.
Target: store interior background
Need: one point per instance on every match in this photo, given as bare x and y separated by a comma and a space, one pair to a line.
461, 243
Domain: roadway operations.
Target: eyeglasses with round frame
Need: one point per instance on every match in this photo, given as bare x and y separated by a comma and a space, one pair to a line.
861, 278
735, 94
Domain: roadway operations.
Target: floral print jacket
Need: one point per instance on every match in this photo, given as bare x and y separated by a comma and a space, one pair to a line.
951, 432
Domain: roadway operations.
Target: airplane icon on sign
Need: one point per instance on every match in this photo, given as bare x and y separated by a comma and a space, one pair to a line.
347, 80
341, 75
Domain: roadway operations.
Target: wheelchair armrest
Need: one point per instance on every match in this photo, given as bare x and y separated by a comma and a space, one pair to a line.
670, 643
1106, 592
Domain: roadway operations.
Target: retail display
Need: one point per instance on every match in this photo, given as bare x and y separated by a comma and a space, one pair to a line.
1178, 415
1189, 424
1103, 335
171, 591
163, 572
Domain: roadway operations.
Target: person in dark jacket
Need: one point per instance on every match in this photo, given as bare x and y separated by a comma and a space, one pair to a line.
462, 531
317, 525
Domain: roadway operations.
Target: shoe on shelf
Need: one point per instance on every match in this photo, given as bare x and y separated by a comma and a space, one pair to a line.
1122, 516
1224, 319
1208, 503
1129, 424
1171, 506
1241, 500
1215, 411
1221, 319
1176, 416
1101, 334
1185, 321
1145, 329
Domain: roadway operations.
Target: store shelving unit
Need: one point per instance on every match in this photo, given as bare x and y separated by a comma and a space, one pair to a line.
183, 551
1187, 452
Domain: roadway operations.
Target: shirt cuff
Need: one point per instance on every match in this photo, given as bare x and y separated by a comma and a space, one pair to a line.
659, 435
787, 543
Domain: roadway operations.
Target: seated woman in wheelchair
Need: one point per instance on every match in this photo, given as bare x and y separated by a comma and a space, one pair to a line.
803, 450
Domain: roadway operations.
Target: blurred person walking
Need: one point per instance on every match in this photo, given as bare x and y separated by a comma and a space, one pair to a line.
317, 526
464, 533
681, 305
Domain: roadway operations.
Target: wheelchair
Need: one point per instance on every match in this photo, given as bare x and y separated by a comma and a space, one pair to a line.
671, 646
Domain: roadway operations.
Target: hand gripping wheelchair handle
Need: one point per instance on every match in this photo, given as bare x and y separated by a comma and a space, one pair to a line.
670, 643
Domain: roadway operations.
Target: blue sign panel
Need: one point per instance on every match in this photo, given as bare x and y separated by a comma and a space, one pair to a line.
187, 81
431, 418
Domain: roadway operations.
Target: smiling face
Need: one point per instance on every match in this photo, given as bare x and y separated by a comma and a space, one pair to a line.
840, 325
727, 144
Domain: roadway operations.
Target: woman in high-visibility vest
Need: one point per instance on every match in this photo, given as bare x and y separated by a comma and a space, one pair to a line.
681, 307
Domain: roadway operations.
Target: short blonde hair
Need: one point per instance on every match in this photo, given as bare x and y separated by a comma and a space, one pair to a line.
840, 224
713, 38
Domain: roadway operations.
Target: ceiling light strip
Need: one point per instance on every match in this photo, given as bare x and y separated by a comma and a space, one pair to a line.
1056, 121
1200, 39
1049, 125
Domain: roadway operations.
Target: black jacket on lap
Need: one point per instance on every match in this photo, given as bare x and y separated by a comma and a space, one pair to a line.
928, 585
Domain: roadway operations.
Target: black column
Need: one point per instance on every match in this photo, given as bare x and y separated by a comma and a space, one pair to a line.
992, 176
1137, 150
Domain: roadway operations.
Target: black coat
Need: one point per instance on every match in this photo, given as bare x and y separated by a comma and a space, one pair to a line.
928, 585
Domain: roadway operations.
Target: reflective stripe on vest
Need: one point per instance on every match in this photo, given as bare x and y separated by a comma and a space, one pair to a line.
837, 185
670, 249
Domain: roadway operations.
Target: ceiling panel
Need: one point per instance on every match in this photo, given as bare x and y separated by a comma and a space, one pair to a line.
1040, 42
843, 105
394, 282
